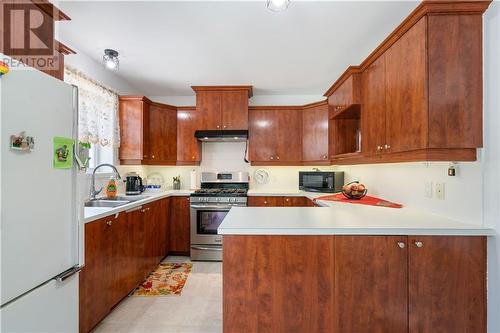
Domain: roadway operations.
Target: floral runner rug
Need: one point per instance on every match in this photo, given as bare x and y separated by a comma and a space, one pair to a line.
167, 280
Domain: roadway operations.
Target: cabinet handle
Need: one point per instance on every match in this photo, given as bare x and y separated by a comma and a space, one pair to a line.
192, 157
271, 158
218, 126
145, 156
224, 126
387, 146
143, 210
109, 223
265, 202
277, 157
153, 156
287, 199
401, 245
379, 147
419, 244
325, 157
187, 199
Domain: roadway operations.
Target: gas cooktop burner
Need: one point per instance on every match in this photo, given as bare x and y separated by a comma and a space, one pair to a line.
222, 192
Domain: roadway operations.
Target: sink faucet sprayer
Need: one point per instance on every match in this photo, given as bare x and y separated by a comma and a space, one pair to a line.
93, 191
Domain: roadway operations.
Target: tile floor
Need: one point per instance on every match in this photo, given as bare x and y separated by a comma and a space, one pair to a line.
197, 310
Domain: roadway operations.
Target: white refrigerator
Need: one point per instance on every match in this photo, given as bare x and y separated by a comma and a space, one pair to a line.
41, 213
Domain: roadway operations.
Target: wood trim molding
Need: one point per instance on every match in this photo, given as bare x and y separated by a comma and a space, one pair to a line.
63, 48
315, 104
348, 72
51, 10
224, 88
146, 100
436, 7
186, 108
276, 107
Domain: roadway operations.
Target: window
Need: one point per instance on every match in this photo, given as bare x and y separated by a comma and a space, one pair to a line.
98, 120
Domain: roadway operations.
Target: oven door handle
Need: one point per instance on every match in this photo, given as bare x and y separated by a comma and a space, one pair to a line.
206, 248
210, 207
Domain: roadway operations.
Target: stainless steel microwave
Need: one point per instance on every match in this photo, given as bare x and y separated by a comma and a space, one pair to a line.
321, 181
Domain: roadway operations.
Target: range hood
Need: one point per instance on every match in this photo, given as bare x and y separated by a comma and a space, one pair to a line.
221, 136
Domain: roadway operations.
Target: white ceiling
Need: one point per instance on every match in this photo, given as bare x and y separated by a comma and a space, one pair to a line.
165, 47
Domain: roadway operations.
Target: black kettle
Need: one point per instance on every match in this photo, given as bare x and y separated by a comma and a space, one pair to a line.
134, 185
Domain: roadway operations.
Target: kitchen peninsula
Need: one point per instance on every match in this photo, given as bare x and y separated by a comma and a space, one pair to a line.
352, 268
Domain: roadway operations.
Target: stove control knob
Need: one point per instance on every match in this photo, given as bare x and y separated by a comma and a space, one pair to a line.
218, 199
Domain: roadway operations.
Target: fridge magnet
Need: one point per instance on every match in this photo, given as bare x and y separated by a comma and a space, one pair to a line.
4, 68
22, 142
63, 152
84, 152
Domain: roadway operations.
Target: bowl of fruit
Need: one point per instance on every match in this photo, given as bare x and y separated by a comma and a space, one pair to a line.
354, 190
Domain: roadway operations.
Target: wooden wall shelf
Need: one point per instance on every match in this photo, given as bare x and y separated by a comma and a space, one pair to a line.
352, 111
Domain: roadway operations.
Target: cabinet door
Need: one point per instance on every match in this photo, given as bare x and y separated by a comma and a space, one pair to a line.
296, 202
122, 269
188, 148
163, 135
447, 284
406, 91
370, 284
95, 276
179, 231
289, 136
263, 130
164, 211
265, 201
134, 131
234, 110
373, 108
315, 134
209, 105
150, 242
136, 220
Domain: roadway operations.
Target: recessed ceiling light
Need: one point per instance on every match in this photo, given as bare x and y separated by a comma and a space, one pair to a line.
110, 59
277, 5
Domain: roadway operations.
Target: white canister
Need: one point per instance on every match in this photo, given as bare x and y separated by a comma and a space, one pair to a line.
193, 180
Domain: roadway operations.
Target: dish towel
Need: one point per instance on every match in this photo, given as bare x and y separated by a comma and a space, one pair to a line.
367, 200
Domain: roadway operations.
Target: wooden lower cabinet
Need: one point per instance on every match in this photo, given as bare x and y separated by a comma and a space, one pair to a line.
180, 229
120, 252
352, 284
447, 284
370, 284
279, 201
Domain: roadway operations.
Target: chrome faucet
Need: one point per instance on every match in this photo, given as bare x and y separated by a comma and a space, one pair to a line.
93, 191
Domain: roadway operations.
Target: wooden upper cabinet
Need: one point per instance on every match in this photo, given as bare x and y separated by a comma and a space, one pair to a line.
188, 147
263, 127
275, 135
447, 284
208, 105
234, 110
148, 132
134, 130
315, 133
406, 91
162, 134
455, 81
373, 107
223, 107
345, 92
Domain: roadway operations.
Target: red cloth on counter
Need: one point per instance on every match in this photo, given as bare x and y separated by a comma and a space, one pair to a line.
367, 200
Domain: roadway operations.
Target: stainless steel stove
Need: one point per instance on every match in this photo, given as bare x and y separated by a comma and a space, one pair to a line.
209, 205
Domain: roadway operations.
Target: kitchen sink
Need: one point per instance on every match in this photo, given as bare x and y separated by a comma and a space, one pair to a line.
106, 203
131, 198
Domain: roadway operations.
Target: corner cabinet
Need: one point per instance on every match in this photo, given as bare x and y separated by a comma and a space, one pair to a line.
421, 90
223, 107
148, 132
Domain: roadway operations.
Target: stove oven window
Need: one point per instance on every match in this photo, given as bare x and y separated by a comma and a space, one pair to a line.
209, 220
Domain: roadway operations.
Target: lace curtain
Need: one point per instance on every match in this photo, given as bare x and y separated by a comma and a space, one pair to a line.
98, 108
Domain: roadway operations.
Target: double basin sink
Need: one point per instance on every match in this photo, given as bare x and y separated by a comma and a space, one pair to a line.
112, 203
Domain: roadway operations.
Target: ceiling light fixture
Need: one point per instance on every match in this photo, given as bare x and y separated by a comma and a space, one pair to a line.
277, 5
110, 59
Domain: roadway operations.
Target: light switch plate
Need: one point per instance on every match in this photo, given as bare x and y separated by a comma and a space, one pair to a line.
440, 191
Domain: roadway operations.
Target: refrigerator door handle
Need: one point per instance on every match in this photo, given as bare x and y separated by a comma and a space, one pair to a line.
81, 164
67, 274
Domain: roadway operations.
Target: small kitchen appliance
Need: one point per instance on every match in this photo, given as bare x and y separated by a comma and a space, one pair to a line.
134, 184
219, 192
321, 181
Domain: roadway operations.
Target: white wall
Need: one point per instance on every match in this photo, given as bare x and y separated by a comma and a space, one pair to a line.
491, 157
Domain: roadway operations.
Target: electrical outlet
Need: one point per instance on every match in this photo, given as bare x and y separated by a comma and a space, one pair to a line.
428, 190
440, 191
